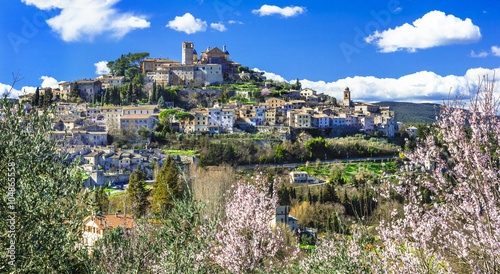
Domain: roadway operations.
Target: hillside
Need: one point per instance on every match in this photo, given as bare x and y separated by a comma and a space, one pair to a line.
411, 112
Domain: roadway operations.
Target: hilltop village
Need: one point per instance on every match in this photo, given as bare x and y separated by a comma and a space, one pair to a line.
144, 99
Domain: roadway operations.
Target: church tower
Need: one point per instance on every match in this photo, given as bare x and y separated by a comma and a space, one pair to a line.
347, 98
187, 53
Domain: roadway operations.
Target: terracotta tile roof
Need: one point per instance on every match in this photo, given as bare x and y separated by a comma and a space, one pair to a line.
136, 116
112, 221
138, 108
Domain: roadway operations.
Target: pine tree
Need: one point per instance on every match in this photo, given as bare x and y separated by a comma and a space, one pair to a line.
309, 197
167, 187
137, 194
36, 98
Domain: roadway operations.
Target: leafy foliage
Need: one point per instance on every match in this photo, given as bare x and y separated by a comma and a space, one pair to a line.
43, 201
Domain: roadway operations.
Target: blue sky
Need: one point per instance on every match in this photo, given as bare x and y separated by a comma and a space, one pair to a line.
383, 50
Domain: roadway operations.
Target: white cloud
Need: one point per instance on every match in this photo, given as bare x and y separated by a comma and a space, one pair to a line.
432, 30
101, 68
495, 51
235, 22
49, 82
289, 11
478, 55
271, 76
85, 19
218, 26
423, 86
188, 24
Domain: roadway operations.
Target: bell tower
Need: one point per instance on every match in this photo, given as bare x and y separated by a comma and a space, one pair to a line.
347, 98
187, 53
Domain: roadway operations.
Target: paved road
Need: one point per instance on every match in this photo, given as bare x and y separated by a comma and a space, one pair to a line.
119, 190
294, 165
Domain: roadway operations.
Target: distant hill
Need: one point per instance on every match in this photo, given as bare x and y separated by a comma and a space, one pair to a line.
413, 113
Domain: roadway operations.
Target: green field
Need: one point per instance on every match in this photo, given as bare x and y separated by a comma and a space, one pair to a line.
351, 169
179, 152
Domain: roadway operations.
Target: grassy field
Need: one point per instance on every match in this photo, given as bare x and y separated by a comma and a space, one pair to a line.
351, 169
179, 152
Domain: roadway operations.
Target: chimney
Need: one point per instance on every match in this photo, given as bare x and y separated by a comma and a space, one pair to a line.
224, 48
100, 221
208, 49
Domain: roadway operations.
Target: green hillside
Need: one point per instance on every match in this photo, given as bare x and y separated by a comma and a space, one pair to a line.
413, 113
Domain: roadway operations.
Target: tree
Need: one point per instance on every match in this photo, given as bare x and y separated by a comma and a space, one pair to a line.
137, 193
111, 67
47, 98
115, 97
144, 132
244, 241
101, 200
36, 98
297, 85
167, 187
43, 199
330, 194
135, 59
108, 96
130, 94
283, 196
182, 116
152, 99
74, 92
161, 102
463, 177
333, 101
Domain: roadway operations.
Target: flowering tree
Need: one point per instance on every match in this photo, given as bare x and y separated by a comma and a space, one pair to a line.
243, 239
265, 92
459, 223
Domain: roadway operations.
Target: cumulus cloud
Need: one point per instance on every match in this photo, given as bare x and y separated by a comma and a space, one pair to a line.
271, 76
188, 24
101, 68
85, 19
478, 55
235, 22
433, 29
495, 51
49, 82
423, 86
218, 26
289, 11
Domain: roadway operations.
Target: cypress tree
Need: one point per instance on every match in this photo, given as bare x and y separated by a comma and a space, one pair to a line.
137, 194
36, 98
167, 187
152, 99
270, 182
330, 194
47, 98
130, 94
161, 102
